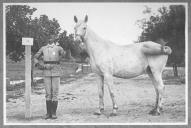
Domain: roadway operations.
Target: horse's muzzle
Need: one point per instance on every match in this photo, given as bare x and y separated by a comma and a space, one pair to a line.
78, 38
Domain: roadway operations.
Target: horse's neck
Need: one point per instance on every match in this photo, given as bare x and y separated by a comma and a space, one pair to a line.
94, 44
91, 38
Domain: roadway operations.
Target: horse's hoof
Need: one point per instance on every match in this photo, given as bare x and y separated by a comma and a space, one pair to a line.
99, 112
154, 113
113, 114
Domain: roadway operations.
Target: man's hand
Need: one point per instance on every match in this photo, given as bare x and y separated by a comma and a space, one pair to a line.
39, 66
48, 66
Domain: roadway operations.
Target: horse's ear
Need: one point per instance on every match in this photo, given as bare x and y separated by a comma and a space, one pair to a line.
75, 19
86, 18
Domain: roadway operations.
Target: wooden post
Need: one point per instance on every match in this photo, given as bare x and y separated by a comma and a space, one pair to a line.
27, 42
28, 81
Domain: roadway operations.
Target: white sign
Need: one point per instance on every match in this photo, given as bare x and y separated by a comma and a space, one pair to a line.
27, 41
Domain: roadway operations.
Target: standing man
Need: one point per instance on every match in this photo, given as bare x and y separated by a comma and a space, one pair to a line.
51, 54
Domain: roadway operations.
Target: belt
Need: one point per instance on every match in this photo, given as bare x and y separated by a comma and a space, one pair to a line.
51, 62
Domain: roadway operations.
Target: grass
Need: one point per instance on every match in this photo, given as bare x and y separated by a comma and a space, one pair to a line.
16, 71
169, 78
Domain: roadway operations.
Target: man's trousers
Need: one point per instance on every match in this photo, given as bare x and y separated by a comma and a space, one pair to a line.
52, 84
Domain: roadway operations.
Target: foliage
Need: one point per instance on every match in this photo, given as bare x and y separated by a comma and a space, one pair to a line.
69, 45
41, 29
169, 25
20, 24
17, 18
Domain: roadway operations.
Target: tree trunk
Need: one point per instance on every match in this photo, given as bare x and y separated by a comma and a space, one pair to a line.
32, 68
69, 55
175, 70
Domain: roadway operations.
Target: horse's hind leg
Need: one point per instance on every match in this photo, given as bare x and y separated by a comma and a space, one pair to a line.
101, 95
156, 77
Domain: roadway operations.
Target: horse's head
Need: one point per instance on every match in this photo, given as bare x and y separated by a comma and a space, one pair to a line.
80, 28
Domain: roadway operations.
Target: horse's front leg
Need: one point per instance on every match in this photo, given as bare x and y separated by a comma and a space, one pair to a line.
101, 95
109, 82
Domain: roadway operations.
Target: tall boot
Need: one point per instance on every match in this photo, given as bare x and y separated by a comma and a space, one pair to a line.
54, 108
48, 109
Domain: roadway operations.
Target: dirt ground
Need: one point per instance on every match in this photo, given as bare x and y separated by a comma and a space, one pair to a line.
78, 100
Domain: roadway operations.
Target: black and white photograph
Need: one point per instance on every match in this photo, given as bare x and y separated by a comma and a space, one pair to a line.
95, 63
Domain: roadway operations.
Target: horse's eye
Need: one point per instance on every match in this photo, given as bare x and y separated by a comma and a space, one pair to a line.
84, 28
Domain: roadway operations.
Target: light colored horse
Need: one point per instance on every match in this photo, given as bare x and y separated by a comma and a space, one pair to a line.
108, 59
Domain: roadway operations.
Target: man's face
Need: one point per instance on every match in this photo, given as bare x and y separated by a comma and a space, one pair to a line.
51, 40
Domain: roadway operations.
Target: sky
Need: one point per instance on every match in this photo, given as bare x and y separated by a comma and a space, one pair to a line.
111, 21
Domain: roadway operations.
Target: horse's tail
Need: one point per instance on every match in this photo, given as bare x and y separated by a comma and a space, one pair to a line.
166, 50
153, 48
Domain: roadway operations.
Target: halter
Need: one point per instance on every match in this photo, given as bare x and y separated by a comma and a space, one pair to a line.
81, 37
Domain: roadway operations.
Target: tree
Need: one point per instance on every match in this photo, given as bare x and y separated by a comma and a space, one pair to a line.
17, 19
20, 24
41, 29
169, 25
70, 46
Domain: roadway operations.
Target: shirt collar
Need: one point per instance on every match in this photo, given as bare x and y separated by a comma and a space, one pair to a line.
51, 45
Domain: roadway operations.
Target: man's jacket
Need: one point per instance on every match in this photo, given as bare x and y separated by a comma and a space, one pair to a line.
52, 55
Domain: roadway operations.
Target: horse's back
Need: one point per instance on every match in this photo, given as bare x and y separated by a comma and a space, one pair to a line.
130, 60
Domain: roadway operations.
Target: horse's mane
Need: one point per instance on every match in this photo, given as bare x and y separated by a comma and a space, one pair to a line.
94, 35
